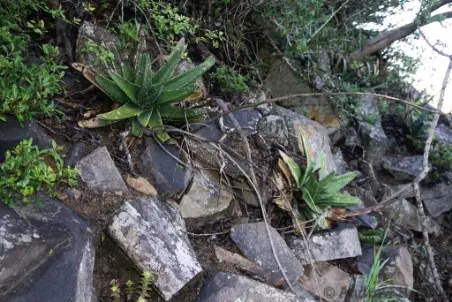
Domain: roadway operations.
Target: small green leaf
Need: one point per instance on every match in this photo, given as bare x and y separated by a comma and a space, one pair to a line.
178, 114
310, 201
143, 71
293, 167
130, 89
173, 60
172, 96
123, 112
189, 76
143, 118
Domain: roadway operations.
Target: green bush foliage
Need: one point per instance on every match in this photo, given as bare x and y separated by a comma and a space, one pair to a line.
27, 170
230, 80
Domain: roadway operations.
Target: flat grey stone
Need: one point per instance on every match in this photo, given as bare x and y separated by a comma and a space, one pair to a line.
405, 214
228, 287
152, 233
162, 170
274, 130
246, 118
342, 242
403, 168
99, 172
12, 133
206, 200
45, 253
77, 152
253, 241
437, 199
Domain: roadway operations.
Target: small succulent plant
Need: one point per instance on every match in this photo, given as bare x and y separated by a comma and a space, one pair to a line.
320, 198
147, 97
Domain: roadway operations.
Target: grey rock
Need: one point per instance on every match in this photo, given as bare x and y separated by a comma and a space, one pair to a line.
99, 172
327, 281
315, 135
398, 269
77, 152
152, 233
444, 134
206, 200
246, 118
341, 165
274, 130
256, 97
253, 241
437, 199
357, 289
368, 108
282, 81
45, 253
228, 287
403, 168
342, 242
406, 215
374, 141
12, 133
244, 190
162, 170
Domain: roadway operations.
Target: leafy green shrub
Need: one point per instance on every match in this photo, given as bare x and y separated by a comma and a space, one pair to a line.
27, 170
26, 90
229, 80
145, 96
320, 191
441, 156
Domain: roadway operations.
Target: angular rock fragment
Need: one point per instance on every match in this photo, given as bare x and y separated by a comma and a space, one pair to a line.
163, 171
45, 253
437, 199
405, 168
228, 287
253, 241
274, 130
342, 242
206, 199
152, 233
246, 118
99, 172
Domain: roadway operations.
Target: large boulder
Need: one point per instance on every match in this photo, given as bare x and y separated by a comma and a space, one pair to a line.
45, 253
228, 287
12, 133
152, 233
404, 168
99, 172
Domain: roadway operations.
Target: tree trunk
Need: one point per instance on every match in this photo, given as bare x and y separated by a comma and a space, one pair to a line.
385, 39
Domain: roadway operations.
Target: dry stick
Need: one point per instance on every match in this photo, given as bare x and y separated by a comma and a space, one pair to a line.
422, 175
254, 186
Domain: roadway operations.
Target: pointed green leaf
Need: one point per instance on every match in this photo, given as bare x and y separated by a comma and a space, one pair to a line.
111, 89
178, 114
155, 121
339, 200
322, 165
340, 181
128, 73
130, 89
309, 167
173, 96
173, 60
293, 167
137, 129
189, 76
143, 118
123, 112
310, 201
143, 70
